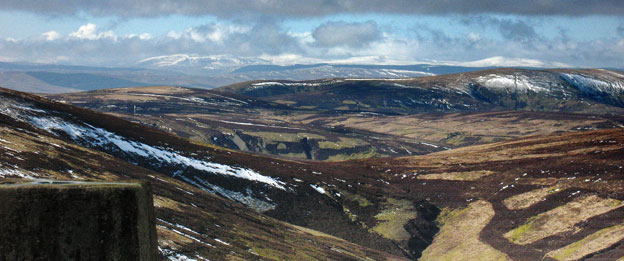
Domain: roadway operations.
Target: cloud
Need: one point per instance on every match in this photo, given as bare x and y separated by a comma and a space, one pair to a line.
90, 46
143, 36
340, 33
510, 29
515, 30
214, 32
218, 38
311, 8
51, 35
89, 32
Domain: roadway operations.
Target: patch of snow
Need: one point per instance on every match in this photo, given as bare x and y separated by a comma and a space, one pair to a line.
13, 173
184, 234
99, 137
590, 85
319, 189
511, 82
429, 144
247, 200
222, 242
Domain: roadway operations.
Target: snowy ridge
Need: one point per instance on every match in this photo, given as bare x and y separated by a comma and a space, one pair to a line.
213, 62
511, 82
594, 86
260, 85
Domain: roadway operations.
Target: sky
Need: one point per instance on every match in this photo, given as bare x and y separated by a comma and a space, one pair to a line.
549, 33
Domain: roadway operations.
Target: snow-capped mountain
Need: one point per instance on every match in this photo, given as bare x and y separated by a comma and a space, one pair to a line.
227, 69
199, 64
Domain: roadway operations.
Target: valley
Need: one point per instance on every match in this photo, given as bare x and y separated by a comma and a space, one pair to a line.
506, 164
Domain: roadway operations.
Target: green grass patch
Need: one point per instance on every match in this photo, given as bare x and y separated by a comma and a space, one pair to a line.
273, 137
371, 153
395, 214
285, 102
294, 155
342, 143
574, 250
362, 201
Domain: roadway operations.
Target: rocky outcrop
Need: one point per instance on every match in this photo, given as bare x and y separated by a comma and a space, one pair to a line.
76, 221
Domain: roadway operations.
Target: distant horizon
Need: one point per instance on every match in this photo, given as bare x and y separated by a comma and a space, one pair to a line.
466, 64
117, 33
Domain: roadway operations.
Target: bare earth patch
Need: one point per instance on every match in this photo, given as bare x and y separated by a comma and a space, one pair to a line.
561, 219
590, 244
458, 238
467, 176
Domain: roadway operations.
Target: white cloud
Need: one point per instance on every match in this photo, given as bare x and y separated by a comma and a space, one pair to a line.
51, 35
269, 41
89, 32
85, 32
215, 32
473, 37
143, 36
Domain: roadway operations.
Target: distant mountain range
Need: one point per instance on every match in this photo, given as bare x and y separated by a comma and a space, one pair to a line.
215, 71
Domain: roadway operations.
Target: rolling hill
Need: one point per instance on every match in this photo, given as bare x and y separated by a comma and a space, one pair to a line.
553, 195
340, 119
578, 91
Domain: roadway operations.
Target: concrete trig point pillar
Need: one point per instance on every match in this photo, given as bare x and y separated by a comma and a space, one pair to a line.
52, 220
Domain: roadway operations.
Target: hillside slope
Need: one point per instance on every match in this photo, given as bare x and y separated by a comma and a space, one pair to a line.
287, 190
557, 196
586, 91
242, 123
548, 196
191, 223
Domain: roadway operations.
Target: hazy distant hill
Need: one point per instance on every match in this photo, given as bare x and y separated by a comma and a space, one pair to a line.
188, 71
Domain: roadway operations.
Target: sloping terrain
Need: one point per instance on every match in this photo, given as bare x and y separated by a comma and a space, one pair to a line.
41, 139
287, 190
557, 195
292, 131
581, 91
462, 129
232, 121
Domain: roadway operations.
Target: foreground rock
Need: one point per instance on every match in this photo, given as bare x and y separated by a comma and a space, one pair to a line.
76, 221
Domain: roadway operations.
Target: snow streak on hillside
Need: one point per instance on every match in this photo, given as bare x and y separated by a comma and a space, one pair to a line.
590, 85
91, 136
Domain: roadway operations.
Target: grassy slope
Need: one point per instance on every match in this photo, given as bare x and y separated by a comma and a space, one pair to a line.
583, 164
205, 217
587, 163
